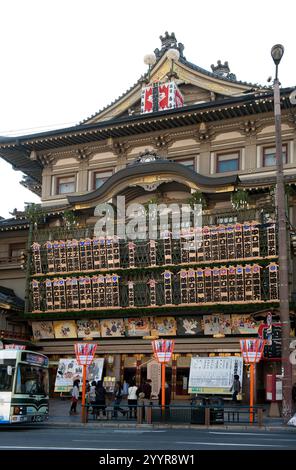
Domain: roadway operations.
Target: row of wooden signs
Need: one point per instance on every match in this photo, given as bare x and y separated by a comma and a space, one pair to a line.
221, 242
209, 285
145, 326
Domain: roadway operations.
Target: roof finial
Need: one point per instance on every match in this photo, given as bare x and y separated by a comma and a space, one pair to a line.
223, 70
169, 41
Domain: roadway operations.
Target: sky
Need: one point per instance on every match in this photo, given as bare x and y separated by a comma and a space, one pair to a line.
64, 60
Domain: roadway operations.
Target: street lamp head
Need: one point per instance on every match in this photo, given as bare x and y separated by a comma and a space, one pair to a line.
277, 53
150, 59
173, 54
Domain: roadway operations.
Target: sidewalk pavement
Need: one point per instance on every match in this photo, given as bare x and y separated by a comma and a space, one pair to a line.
59, 417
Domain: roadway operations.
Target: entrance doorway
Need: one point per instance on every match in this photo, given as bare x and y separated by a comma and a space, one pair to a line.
182, 379
129, 374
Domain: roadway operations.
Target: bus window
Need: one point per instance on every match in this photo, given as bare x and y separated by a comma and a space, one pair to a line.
31, 380
6, 377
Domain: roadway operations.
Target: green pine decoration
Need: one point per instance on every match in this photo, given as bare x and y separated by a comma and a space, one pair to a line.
198, 198
240, 199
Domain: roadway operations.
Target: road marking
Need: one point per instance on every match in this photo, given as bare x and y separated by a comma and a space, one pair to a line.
238, 433
135, 431
271, 438
228, 444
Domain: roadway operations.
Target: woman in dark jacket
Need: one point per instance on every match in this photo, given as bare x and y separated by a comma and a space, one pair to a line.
167, 395
117, 400
100, 403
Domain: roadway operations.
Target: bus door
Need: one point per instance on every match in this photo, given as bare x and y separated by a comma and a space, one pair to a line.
31, 391
7, 367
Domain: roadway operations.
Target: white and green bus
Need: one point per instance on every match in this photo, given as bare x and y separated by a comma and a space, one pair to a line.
23, 387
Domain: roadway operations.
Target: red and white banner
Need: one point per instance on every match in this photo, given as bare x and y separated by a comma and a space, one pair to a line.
160, 97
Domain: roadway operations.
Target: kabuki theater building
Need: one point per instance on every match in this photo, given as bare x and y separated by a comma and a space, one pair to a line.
181, 137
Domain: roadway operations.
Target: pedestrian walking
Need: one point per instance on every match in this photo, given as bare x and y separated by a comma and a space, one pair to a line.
87, 390
235, 388
125, 388
117, 400
100, 403
92, 395
75, 397
132, 400
144, 395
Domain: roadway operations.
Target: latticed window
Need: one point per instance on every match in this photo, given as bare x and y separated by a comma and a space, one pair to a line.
100, 177
227, 162
189, 162
66, 184
269, 155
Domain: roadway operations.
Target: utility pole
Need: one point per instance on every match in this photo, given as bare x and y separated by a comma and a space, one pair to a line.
277, 52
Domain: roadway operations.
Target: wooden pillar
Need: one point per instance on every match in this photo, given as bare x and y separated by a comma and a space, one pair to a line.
138, 372
174, 377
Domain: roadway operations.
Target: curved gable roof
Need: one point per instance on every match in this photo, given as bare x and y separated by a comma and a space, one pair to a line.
156, 168
228, 83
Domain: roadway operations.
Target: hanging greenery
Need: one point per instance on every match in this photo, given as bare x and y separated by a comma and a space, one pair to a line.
197, 198
34, 213
69, 219
240, 199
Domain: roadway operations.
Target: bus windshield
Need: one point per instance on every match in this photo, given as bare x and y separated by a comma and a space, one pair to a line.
6, 375
32, 380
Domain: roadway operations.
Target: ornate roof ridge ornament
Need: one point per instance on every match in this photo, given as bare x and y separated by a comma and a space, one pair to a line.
223, 70
169, 41
147, 156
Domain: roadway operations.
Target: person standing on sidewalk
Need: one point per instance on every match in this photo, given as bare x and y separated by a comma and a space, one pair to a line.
117, 400
144, 395
235, 388
132, 400
75, 397
92, 395
100, 404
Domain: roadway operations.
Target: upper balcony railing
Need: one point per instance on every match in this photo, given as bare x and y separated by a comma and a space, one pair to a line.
10, 262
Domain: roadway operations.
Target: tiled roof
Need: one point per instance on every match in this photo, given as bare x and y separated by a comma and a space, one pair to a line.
8, 297
230, 78
216, 75
13, 224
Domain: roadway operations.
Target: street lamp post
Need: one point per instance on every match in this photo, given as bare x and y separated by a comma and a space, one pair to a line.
277, 52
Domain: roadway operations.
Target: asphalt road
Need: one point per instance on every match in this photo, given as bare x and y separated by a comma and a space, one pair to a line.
132, 439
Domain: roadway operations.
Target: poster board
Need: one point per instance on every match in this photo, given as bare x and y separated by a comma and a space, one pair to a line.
69, 370
189, 326
65, 329
42, 330
214, 375
163, 326
138, 326
215, 324
88, 328
244, 325
112, 328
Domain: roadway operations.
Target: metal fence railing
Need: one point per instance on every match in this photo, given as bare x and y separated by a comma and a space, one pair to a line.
210, 414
